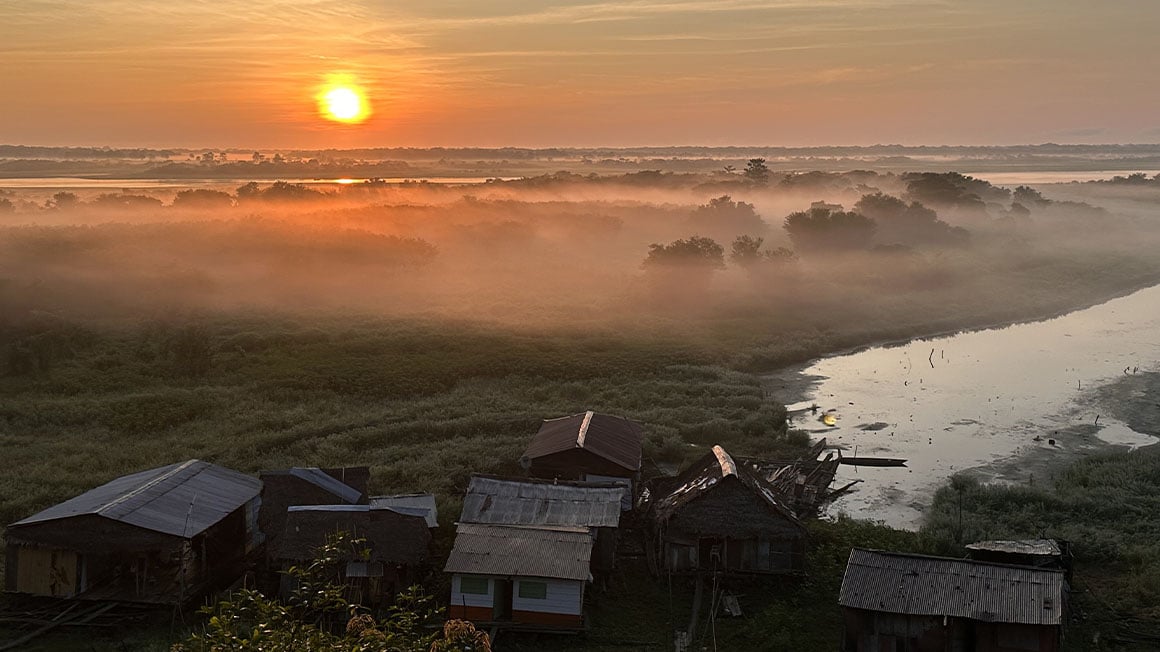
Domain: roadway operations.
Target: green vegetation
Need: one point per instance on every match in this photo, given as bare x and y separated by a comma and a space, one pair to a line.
312, 617
423, 403
1108, 507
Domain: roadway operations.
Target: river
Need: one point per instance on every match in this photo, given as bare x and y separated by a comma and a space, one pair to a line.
1003, 402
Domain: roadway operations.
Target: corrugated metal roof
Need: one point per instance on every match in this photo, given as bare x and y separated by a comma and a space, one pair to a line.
424, 502
181, 499
527, 502
706, 473
515, 551
1044, 547
616, 439
939, 586
320, 479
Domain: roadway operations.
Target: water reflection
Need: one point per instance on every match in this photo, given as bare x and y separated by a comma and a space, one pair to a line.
1003, 399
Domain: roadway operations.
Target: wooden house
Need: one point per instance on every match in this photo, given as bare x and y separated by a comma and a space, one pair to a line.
396, 541
544, 503
586, 446
719, 516
307, 486
894, 601
520, 577
165, 535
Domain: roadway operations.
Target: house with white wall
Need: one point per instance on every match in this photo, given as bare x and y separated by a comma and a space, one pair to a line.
520, 576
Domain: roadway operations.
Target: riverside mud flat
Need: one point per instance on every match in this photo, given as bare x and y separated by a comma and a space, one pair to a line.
1007, 404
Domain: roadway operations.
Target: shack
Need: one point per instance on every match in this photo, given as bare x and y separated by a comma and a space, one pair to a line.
587, 446
394, 548
895, 601
491, 500
307, 486
719, 516
1043, 553
423, 503
161, 536
520, 577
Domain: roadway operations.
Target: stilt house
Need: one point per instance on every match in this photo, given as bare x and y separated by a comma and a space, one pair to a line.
543, 503
165, 536
719, 516
520, 577
586, 446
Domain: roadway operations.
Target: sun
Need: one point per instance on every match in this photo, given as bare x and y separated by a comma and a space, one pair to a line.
343, 102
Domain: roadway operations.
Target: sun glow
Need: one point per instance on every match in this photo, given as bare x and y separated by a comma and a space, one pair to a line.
343, 101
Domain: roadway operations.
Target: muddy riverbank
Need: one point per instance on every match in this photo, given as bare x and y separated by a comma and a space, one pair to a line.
1007, 404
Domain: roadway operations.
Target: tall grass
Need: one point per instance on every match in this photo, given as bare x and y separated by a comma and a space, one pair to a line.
1107, 506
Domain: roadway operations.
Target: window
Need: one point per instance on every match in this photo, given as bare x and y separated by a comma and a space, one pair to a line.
473, 585
533, 590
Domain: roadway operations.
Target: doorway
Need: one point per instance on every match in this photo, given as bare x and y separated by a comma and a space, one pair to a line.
502, 608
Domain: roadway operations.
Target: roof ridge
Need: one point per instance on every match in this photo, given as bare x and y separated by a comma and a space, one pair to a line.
148, 485
728, 466
940, 558
584, 428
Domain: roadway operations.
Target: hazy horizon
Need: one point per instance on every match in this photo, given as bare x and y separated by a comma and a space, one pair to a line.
569, 74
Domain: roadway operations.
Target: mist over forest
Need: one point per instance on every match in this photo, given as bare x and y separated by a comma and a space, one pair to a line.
562, 249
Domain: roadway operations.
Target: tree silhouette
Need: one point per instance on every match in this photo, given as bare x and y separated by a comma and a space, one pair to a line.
723, 218
746, 252
823, 229
125, 201
203, 198
757, 170
1028, 196
694, 253
63, 201
908, 224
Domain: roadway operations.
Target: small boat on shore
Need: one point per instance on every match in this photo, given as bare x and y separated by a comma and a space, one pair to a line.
872, 461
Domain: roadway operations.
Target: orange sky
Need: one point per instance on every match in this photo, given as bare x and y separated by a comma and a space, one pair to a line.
223, 73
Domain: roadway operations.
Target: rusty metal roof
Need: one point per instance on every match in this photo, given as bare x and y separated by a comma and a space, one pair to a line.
517, 551
939, 586
502, 501
1038, 547
712, 469
616, 439
423, 504
181, 499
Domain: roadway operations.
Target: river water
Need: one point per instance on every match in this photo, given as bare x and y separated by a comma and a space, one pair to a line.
976, 400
